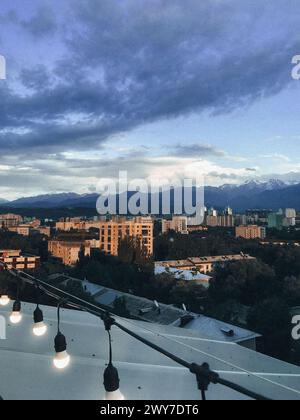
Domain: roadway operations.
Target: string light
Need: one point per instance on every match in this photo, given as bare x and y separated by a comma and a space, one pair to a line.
16, 315
203, 373
4, 300
62, 358
39, 327
111, 375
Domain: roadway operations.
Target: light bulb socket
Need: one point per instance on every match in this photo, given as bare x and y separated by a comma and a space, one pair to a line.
60, 343
38, 316
17, 306
111, 379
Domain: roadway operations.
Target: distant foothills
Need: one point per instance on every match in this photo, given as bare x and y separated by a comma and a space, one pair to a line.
272, 195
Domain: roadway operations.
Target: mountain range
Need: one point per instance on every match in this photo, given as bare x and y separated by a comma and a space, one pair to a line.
273, 194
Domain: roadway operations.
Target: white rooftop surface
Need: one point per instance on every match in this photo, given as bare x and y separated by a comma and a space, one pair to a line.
187, 275
27, 371
207, 327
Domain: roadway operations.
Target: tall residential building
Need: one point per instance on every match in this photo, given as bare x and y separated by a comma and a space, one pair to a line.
179, 224
212, 221
290, 216
112, 232
226, 220
228, 211
250, 232
212, 212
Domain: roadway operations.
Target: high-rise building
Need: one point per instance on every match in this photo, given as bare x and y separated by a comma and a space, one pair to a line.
212, 212
228, 211
226, 220
250, 232
112, 232
275, 221
178, 223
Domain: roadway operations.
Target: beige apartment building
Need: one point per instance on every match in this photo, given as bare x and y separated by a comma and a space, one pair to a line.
66, 225
178, 224
10, 220
15, 259
68, 250
112, 232
250, 232
23, 230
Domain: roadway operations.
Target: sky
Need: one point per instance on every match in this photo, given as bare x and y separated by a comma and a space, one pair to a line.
160, 88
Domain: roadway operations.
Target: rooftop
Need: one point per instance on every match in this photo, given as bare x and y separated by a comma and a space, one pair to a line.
146, 310
28, 373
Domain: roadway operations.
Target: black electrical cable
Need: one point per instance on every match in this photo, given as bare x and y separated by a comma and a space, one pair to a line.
202, 372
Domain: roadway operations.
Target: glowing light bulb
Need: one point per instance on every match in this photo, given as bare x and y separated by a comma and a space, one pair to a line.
39, 329
16, 316
61, 360
4, 300
114, 396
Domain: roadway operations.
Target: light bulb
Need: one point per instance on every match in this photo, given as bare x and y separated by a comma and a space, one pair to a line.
114, 396
39, 329
4, 300
61, 360
16, 316
112, 384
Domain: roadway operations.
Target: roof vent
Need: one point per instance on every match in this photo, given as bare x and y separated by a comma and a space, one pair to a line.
185, 320
145, 311
228, 332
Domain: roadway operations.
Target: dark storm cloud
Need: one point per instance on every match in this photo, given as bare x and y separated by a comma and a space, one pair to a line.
131, 63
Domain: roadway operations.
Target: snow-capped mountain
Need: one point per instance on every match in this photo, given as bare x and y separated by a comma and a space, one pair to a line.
272, 194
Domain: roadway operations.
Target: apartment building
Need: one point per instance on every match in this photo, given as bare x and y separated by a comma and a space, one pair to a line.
205, 264
10, 220
15, 259
112, 232
67, 250
250, 232
178, 224
66, 225
23, 230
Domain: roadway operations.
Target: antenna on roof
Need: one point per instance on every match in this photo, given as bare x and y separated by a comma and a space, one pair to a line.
184, 307
157, 305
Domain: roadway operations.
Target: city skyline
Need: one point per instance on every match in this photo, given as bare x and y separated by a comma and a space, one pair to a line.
158, 89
